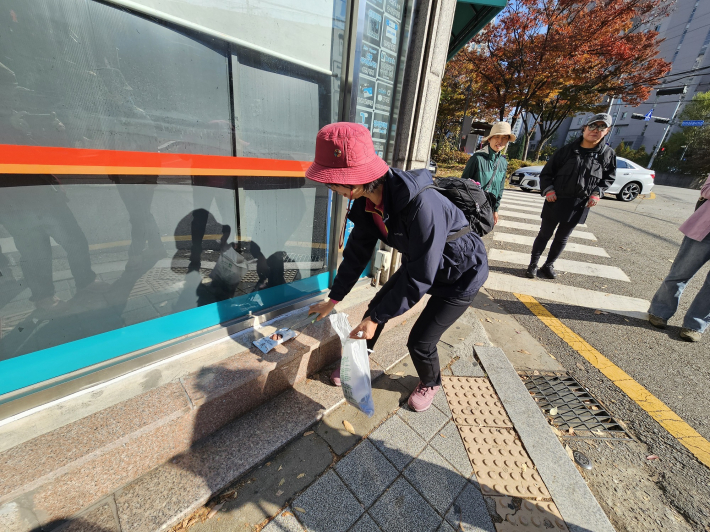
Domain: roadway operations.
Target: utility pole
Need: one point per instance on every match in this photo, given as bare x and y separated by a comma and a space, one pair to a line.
669, 122
462, 144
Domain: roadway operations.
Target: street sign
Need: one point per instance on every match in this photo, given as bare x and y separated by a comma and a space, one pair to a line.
647, 116
692, 123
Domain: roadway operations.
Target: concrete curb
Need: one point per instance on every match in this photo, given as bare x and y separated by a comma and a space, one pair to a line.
570, 492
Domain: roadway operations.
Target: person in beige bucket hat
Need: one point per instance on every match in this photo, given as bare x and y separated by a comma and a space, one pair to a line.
488, 166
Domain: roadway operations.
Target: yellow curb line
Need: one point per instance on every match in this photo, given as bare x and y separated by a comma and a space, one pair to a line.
669, 420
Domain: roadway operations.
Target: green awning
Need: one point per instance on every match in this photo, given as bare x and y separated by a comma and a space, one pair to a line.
470, 18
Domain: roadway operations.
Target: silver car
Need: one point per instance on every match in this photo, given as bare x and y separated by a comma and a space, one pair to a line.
631, 179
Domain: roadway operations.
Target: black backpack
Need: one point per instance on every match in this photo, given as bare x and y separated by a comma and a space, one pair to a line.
475, 202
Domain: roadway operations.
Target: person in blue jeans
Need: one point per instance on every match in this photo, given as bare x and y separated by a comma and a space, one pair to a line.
693, 254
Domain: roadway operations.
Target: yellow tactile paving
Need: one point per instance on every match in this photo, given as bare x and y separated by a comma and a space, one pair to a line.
474, 402
501, 464
519, 514
669, 420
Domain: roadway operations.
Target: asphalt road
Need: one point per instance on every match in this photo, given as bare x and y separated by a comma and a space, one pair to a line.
642, 239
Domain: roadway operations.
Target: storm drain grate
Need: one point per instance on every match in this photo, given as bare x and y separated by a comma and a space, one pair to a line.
569, 405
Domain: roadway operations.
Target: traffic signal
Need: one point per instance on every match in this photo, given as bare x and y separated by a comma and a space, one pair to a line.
671, 91
638, 116
662, 120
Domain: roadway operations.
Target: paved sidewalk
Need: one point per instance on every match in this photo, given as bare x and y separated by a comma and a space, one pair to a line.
415, 473
472, 462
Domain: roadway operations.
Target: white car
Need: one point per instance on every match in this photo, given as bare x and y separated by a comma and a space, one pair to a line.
631, 179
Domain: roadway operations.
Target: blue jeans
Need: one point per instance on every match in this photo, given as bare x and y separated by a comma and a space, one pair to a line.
692, 256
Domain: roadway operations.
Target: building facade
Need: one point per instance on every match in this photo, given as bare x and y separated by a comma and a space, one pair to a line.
153, 198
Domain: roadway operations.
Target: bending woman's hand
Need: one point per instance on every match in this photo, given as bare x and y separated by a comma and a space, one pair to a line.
367, 327
322, 309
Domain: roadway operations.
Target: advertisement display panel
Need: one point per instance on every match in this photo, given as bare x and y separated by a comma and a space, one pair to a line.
381, 49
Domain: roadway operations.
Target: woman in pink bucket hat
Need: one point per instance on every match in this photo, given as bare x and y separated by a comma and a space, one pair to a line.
441, 256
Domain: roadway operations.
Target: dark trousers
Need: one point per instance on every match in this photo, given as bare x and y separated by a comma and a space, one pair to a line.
564, 229
438, 315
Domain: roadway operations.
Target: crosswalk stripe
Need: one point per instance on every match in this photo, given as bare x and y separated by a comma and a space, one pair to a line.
571, 266
523, 201
527, 208
528, 241
536, 228
569, 295
525, 215
522, 195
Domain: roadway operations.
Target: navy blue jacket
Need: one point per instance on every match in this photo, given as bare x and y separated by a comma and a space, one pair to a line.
417, 228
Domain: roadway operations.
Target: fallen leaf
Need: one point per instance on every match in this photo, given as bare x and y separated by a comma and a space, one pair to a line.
670, 260
557, 431
580, 366
308, 433
553, 358
609, 444
442, 435
518, 332
462, 338
489, 320
279, 493
525, 467
348, 426
625, 319
400, 373
570, 431
280, 468
600, 312
299, 509
651, 457
479, 343
301, 475
598, 432
594, 407
536, 372
569, 452
539, 499
404, 322
281, 482
524, 352
553, 412
288, 514
268, 464
163, 304
214, 510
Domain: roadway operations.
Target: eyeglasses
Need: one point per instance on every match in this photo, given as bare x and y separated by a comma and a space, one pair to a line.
597, 127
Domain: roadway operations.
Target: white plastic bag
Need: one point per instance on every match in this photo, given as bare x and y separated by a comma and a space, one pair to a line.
230, 267
354, 367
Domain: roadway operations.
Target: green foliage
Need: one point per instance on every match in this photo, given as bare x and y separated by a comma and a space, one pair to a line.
447, 153
547, 151
638, 156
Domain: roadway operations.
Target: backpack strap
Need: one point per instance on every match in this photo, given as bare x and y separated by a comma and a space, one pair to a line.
458, 233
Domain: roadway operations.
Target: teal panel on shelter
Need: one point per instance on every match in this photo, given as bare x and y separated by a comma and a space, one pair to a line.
470, 17
46, 364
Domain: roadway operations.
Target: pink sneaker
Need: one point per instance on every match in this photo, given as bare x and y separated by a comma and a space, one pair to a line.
422, 397
335, 377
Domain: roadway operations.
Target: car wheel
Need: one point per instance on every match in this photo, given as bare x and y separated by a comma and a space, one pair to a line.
629, 192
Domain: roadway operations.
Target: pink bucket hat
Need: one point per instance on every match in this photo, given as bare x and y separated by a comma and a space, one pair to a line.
345, 155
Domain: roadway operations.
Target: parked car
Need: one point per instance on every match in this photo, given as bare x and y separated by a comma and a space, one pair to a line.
631, 179
431, 167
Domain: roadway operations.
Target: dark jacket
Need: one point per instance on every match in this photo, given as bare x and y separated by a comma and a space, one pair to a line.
482, 166
417, 228
574, 174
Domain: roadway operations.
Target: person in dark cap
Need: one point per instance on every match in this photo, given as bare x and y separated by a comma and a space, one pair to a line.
441, 256
572, 181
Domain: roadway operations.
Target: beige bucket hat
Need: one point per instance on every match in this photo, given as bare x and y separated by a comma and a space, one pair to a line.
501, 128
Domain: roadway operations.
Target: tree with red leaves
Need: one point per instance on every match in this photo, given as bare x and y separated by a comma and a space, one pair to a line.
554, 58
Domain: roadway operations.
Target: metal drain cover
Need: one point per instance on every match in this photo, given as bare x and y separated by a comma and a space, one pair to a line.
570, 406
